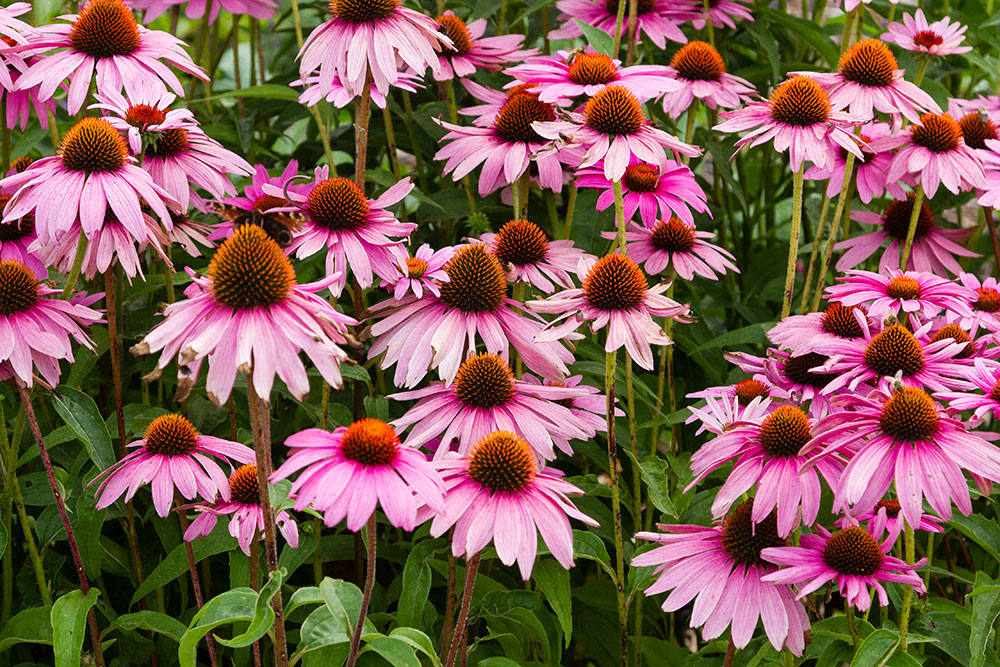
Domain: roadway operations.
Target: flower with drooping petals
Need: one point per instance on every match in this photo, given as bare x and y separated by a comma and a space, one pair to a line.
983, 400
655, 191
869, 170
929, 523
190, 234
339, 96
934, 248
496, 493
614, 294
16, 237
528, 256
941, 38
798, 118
144, 115
571, 74
801, 334
659, 20
473, 52
346, 473
985, 305
251, 315
439, 332
255, 199
485, 397
105, 39
799, 378
721, 569
247, 518
424, 271
700, 68
722, 12
589, 406
678, 245
368, 38
892, 291
20, 103
853, 558
747, 404
13, 33
171, 456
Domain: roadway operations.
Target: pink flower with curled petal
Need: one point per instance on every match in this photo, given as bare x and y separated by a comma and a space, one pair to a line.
172, 457
895, 291
13, 32
589, 406
339, 96
869, 169
658, 20
143, 115
528, 256
941, 38
424, 271
723, 412
473, 52
679, 246
702, 71
497, 494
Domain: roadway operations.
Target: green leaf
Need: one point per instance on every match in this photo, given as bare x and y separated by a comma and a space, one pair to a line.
810, 33
749, 335
553, 581
591, 547
263, 614
398, 652
417, 640
302, 597
80, 413
321, 628
176, 564
235, 605
597, 38
69, 623
31, 626
980, 530
985, 609
654, 474
876, 649
268, 91
416, 583
3, 539
153, 621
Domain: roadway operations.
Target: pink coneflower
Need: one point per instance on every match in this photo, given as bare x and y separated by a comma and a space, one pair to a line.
722, 13
658, 20
799, 379
483, 398
983, 400
589, 406
528, 256
171, 456
978, 129
934, 248
506, 148
898, 434
801, 334
336, 94
985, 304
144, 115
351, 470
35, 330
247, 519
255, 199
941, 38
190, 235
869, 170
472, 52
104, 37
92, 173
13, 32
721, 569
614, 128
251, 315
422, 272
614, 294
988, 104
196, 9
868, 79
439, 332
766, 454
932, 152
928, 523
20, 104
892, 291
571, 74
799, 118
725, 412
376, 35
355, 232
853, 558
496, 493
701, 70
655, 191
676, 244
16, 237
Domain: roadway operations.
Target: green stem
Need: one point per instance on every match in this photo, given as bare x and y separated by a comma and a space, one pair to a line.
619, 215
909, 546
352, 657
619, 19
74, 272
918, 201
930, 556
853, 627
793, 241
4, 135
616, 509
471, 568
570, 209
502, 18
449, 91
707, 6
921, 69
842, 211
318, 554
411, 130
633, 9
666, 370
517, 293
849, 21
817, 237
692, 113
390, 146
636, 495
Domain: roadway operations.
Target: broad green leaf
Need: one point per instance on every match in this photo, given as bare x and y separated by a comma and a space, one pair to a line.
654, 474
303, 596
980, 530
80, 413
153, 621
553, 581
176, 564
321, 628
985, 609
416, 583
810, 33
591, 547
749, 335
876, 649
31, 626
417, 640
263, 614
69, 625
597, 38
268, 91
343, 600
89, 522
235, 605
396, 651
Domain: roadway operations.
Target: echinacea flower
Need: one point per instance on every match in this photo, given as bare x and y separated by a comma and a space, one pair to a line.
932, 152
934, 248
798, 118
614, 294
16, 237
799, 379
92, 173
247, 520
868, 79
496, 493
105, 39
355, 232
196, 9
255, 199
339, 96
654, 190
368, 38
722, 12
251, 315
941, 38
144, 114
853, 558
987, 104
506, 148
347, 473
700, 68
589, 405
898, 435
677, 245
766, 455
801, 334
171, 457
983, 399
528, 256
658, 20
977, 129
869, 170
485, 397
35, 329
13, 31
985, 305
721, 569
438, 332
722, 413
895, 291
568, 75
424, 271
613, 127
928, 523
472, 52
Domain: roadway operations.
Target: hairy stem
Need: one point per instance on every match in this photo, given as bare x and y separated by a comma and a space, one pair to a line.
471, 567
793, 241
610, 364
911, 231
352, 657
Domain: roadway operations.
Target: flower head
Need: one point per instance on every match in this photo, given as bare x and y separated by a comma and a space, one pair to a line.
869, 170
473, 52
528, 256
941, 38
144, 115
985, 305
700, 68
655, 191
424, 271
678, 245
896, 291
802, 334
658, 20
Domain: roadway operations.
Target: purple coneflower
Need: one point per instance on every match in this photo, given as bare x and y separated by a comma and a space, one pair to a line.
676, 244
941, 38
589, 407
528, 256
895, 291
16, 237
143, 115
658, 20
869, 170
339, 96
801, 334
929, 523
985, 305
701, 70
799, 379
472, 52
424, 271
747, 403
255, 199
983, 400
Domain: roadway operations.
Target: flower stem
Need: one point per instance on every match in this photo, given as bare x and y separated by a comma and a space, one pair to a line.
610, 364
841, 212
930, 555
196, 583
449, 92
4, 135
692, 114
988, 215
570, 209
619, 215
707, 6
849, 22
411, 130
619, 19
390, 146
74, 272
911, 232
853, 627
921, 69
909, 546
730, 654
471, 567
817, 237
449, 606
501, 20
793, 241
633, 9
260, 419
95, 636
254, 566
352, 657
636, 495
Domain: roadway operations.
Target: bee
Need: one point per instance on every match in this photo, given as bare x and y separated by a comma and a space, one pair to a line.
279, 226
